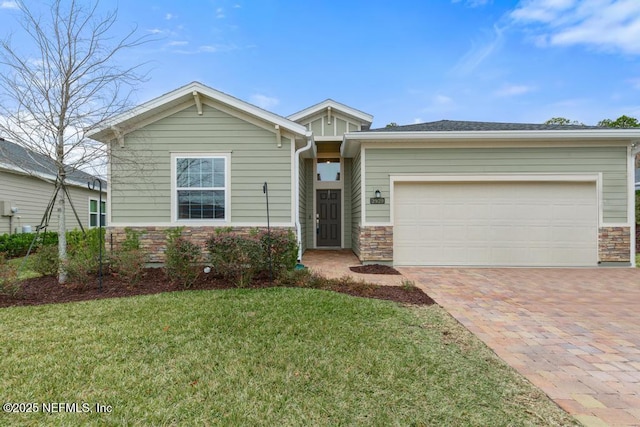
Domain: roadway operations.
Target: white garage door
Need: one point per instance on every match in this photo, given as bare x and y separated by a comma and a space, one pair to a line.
495, 224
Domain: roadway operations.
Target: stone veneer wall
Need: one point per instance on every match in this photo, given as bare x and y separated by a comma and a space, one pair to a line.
376, 243
614, 244
153, 240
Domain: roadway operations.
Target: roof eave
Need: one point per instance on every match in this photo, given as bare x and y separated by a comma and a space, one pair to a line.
345, 109
619, 134
351, 141
104, 133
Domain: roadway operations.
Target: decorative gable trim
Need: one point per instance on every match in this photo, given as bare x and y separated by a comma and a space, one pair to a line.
192, 94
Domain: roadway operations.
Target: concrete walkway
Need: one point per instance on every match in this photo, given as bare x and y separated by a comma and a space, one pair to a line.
574, 333
335, 264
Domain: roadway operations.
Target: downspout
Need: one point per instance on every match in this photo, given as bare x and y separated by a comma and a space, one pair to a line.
634, 150
296, 167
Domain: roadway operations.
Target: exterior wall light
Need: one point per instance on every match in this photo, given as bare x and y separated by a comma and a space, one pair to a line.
378, 194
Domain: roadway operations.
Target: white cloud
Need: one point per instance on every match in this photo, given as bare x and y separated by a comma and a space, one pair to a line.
479, 52
263, 101
214, 48
169, 16
474, 3
513, 90
442, 100
155, 31
220, 13
608, 25
635, 83
417, 120
178, 43
9, 5
438, 104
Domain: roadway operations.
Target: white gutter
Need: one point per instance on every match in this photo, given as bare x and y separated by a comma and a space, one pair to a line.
296, 168
499, 134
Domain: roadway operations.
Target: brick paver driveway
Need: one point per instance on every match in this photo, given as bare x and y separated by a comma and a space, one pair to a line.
574, 333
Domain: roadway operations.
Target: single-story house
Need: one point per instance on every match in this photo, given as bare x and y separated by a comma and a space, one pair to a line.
443, 193
27, 187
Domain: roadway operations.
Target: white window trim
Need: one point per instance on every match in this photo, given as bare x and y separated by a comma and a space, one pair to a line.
227, 189
97, 200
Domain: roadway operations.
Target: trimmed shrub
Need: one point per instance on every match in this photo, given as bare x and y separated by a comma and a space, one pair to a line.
240, 258
235, 257
181, 258
81, 264
45, 261
302, 278
9, 283
284, 250
16, 245
129, 262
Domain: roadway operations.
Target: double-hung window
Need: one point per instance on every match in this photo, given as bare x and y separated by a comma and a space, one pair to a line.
93, 213
201, 187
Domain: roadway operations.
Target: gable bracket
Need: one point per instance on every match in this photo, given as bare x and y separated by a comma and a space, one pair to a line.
328, 115
278, 137
119, 136
196, 96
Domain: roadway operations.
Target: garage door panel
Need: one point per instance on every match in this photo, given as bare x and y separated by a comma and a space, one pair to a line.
495, 223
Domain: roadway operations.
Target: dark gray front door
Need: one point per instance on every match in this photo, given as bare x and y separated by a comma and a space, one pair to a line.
328, 218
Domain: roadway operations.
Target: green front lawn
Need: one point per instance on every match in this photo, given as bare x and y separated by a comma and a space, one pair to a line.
278, 356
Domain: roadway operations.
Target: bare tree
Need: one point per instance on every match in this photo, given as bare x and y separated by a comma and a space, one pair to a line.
61, 84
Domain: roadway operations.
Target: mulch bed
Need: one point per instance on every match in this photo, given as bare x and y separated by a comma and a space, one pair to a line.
46, 290
374, 269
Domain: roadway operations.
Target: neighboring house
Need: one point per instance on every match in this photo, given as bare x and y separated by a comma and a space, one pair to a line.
27, 187
441, 193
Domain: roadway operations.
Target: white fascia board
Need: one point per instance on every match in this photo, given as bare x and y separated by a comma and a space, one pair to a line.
605, 134
187, 92
351, 141
307, 112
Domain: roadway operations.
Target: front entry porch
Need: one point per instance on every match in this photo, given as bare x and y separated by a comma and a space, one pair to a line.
335, 263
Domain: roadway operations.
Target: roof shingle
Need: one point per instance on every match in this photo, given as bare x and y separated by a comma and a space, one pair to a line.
469, 126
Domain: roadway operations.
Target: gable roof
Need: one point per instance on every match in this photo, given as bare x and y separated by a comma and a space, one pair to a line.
191, 92
334, 105
15, 158
469, 132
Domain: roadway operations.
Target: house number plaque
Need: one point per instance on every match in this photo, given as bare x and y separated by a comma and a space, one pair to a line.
376, 201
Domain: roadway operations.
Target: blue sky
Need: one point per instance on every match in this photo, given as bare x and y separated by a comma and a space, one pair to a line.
401, 61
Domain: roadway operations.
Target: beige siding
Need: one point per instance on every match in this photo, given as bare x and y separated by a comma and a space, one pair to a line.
141, 172
355, 203
610, 161
32, 195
